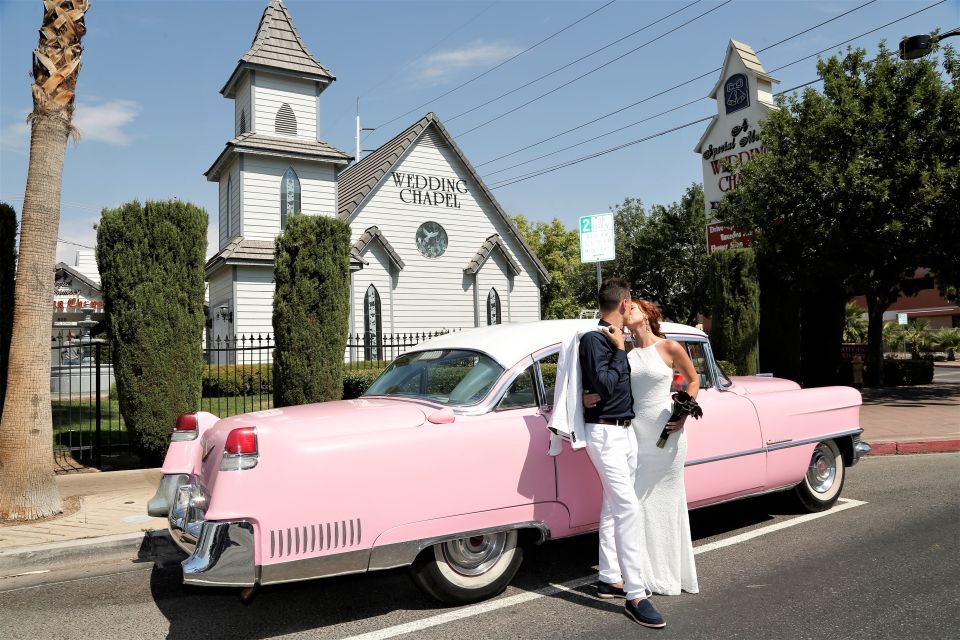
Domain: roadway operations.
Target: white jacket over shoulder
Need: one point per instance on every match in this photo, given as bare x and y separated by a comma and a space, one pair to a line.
566, 421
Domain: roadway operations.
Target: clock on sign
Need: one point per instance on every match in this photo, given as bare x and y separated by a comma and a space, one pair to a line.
431, 239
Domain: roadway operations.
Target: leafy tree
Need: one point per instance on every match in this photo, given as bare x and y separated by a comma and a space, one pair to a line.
559, 250
674, 246
946, 340
856, 190
151, 260
854, 326
311, 306
28, 489
735, 308
8, 267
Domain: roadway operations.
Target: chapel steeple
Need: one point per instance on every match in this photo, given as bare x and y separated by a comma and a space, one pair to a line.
277, 47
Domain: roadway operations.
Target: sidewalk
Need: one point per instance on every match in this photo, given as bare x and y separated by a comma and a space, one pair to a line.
108, 518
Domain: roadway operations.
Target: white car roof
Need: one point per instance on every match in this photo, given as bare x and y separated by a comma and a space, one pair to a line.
511, 342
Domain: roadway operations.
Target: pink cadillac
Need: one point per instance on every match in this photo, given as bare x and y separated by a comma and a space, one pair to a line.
442, 466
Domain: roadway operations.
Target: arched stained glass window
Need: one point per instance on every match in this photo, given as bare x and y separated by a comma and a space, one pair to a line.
229, 208
372, 325
289, 196
493, 308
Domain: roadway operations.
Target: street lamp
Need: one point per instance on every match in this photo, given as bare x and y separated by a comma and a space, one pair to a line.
918, 46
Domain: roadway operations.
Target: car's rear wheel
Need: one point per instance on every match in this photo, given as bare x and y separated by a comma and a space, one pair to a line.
469, 569
824, 478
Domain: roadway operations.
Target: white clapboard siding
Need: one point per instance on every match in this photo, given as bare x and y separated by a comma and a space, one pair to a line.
378, 274
254, 315
261, 197
230, 177
221, 293
435, 293
273, 91
241, 105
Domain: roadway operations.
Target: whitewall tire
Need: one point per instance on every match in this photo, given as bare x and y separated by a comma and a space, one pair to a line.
823, 480
470, 569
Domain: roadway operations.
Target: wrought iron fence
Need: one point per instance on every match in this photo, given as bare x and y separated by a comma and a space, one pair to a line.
237, 378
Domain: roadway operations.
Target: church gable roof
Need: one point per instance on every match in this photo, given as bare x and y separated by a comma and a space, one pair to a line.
491, 244
278, 45
748, 58
358, 181
374, 234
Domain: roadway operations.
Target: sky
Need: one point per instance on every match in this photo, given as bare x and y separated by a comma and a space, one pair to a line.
151, 118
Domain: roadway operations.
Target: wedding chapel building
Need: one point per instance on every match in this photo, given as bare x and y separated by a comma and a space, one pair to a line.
431, 249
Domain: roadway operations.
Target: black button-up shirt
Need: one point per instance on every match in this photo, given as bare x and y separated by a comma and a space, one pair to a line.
604, 369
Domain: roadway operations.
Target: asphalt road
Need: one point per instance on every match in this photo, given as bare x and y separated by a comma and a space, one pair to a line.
883, 564
946, 374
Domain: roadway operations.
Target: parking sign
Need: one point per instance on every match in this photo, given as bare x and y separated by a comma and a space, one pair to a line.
597, 238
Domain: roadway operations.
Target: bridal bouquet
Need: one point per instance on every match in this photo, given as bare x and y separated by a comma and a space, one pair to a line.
683, 405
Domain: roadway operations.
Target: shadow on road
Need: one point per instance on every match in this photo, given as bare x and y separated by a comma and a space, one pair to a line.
362, 598
936, 394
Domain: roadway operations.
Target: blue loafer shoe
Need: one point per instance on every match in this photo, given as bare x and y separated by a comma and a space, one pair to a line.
607, 591
644, 613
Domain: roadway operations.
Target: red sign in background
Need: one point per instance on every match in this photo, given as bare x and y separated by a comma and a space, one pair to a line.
722, 236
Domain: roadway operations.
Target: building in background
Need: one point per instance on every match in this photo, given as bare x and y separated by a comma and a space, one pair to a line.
431, 248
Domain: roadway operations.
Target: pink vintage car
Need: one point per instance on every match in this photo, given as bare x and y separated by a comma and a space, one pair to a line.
442, 466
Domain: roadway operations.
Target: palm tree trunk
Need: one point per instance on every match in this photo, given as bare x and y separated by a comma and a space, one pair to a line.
28, 488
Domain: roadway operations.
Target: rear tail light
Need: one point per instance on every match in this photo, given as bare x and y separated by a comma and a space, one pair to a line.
240, 450
186, 428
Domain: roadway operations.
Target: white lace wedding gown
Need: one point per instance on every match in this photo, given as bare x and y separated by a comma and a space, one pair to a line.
667, 563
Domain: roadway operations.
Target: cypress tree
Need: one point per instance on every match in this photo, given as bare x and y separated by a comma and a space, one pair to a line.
8, 267
735, 305
151, 260
311, 307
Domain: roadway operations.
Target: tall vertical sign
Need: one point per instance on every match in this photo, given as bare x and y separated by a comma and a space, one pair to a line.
597, 240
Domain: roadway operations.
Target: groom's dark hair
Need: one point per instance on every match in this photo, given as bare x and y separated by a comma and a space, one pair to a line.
612, 292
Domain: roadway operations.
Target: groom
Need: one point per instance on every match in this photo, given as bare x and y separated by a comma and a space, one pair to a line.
612, 447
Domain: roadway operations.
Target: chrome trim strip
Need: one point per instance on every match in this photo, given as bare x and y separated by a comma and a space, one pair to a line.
773, 447
273, 543
358, 531
726, 456
351, 533
337, 564
401, 554
797, 443
223, 557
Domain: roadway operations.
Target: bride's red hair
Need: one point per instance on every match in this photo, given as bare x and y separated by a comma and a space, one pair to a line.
653, 315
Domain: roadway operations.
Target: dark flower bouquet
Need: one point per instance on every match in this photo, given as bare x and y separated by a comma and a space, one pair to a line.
683, 405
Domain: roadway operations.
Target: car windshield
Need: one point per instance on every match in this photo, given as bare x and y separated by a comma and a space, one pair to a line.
449, 376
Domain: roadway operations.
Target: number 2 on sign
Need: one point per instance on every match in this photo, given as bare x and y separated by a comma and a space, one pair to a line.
585, 225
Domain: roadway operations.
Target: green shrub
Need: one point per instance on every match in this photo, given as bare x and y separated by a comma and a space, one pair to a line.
357, 381
8, 265
151, 260
727, 367
907, 372
735, 307
311, 309
228, 380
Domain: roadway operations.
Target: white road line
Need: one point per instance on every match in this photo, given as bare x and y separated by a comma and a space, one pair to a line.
572, 585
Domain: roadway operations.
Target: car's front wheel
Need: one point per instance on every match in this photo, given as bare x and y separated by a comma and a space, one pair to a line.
823, 481
469, 569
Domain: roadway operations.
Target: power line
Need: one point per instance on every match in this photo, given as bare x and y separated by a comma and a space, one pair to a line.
421, 54
76, 244
567, 65
707, 73
595, 69
497, 66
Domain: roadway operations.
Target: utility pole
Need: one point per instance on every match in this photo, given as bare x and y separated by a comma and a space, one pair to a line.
359, 130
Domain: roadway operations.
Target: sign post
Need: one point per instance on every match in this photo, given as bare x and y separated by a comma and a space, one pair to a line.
597, 240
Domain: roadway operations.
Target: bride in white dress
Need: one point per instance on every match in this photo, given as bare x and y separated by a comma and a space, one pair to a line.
668, 565
667, 551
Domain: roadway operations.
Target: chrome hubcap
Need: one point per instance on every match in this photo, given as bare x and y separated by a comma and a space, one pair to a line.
475, 555
823, 469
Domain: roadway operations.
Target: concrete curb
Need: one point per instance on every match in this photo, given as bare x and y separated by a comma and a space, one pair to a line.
886, 448
150, 546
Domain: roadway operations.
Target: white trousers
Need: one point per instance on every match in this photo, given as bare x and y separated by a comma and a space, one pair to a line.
613, 452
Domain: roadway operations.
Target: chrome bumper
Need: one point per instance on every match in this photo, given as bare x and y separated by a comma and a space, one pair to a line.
159, 505
860, 449
221, 553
